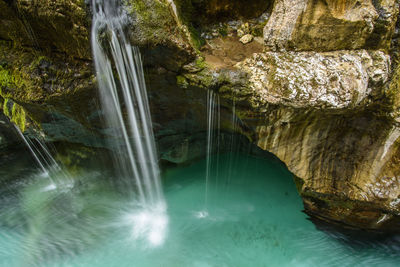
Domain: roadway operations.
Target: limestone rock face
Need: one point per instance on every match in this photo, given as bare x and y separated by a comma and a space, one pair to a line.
326, 25
335, 80
348, 163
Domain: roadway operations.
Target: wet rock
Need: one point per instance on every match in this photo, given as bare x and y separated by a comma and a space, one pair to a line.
50, 25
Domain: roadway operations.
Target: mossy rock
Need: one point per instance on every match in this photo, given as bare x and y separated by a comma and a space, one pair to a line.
15, 113
39, 84
61, 26
393, 93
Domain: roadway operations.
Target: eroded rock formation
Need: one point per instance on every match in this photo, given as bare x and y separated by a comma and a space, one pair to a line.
324, 101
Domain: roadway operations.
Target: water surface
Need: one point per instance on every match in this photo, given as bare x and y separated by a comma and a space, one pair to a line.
251, 216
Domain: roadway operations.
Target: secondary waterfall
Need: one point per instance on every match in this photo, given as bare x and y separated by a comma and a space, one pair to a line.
48, 165
213, 123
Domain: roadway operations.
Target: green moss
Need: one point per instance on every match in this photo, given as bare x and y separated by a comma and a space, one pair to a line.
185, 11
195, 39
393, 91
74, 156
18, 116
181, 81
153, 22
200, 63
67, 33
15, 83
202, 78
37, 61
139, 7
16, 113
6, 110
7, 80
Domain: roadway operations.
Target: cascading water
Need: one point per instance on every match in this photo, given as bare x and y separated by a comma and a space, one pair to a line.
136, 157
233, 145
48, 165
213, 123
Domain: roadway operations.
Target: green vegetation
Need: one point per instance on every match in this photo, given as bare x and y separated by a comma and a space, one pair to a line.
195, 39
393, 92
18, 116
153, 23
6, 110
200, 62
15, 113
7, 80
16, 83
181, 81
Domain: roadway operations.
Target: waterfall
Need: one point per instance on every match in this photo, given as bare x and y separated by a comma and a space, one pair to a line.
124, 87
213, 124
233, 145
123, 94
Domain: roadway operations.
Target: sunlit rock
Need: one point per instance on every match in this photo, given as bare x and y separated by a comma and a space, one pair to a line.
330, 25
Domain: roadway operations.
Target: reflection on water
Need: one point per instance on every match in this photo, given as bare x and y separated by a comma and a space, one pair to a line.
252, 218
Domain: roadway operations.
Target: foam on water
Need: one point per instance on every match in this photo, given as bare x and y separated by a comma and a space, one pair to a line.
148, 225
201, 214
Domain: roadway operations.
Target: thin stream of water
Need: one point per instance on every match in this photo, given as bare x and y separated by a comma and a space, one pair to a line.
213, 134
58, 176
